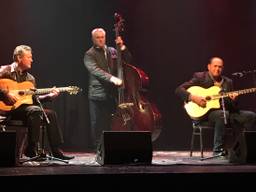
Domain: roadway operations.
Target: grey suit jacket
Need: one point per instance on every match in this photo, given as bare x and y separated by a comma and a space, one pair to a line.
101, 67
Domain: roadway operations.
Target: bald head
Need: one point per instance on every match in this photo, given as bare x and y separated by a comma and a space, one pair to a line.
215, 59
215, 67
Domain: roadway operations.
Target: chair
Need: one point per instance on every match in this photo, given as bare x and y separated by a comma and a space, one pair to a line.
197, 130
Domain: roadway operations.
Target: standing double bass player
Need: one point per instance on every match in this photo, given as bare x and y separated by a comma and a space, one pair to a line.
101, 63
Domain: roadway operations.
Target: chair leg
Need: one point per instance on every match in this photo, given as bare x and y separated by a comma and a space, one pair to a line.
201, 142
192, 143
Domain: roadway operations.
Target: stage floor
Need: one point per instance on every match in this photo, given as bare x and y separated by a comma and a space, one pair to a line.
163, 162
169, 169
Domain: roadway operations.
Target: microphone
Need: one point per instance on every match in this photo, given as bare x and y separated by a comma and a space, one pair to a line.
238, 74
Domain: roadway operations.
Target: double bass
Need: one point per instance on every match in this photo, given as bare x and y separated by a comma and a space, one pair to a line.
134, 111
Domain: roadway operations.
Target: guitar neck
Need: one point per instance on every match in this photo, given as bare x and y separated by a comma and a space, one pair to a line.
239, 92
48, 90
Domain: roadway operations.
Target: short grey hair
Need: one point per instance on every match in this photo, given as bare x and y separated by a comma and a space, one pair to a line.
98, 30
19, 51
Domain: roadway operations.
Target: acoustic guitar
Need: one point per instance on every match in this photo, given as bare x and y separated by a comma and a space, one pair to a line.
212, 96
25, 90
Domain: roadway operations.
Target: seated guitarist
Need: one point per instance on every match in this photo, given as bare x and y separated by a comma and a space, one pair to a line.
236, 117
31, 114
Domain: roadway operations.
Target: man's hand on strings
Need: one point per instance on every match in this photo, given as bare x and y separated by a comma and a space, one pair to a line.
233, 96
54, 93
9, 99
116, 81
199, 100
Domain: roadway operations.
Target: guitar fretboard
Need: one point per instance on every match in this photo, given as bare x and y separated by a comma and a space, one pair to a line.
239, 92
48, 90
70, 90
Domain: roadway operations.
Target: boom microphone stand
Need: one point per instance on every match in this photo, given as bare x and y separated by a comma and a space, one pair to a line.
43, 156
241, 74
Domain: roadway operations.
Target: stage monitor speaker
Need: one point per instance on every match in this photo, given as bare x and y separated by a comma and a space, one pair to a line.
244, 149
7, 148
125, 147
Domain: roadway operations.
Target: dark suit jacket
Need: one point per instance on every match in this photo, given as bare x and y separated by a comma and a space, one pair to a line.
101, 69
204, 80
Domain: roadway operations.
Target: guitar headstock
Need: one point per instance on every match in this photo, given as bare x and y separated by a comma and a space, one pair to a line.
73, 90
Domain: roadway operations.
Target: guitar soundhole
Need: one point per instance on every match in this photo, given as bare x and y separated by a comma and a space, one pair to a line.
208, 98
21, 93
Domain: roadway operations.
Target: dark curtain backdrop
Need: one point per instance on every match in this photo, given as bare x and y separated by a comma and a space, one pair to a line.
168, 39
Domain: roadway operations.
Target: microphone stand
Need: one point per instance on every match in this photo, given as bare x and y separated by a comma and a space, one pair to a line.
241, 74
225, 122
224, 110
43, 156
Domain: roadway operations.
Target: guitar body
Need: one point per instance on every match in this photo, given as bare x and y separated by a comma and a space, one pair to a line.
25, 90
15, 89
194, 110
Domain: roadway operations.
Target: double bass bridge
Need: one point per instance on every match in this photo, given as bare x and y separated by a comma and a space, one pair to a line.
125, 105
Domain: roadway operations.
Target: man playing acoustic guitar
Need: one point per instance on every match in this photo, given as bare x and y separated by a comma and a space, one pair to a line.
31, 114
204, 100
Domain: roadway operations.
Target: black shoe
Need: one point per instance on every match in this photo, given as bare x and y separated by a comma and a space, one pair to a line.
31, 152
58, 154
222, 152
